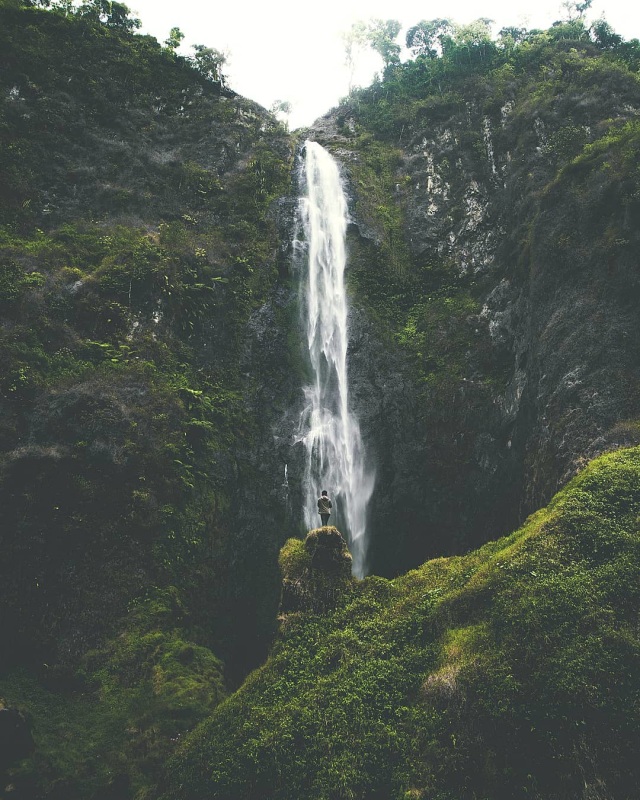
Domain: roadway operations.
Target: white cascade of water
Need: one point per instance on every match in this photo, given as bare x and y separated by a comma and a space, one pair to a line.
330, 433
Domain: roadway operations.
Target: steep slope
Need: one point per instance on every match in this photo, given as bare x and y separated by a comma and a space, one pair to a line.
138, 240
511, 672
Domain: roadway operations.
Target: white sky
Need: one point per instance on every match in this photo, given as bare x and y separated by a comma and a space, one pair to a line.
288, 50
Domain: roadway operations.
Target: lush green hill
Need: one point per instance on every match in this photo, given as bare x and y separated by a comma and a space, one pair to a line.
510, 672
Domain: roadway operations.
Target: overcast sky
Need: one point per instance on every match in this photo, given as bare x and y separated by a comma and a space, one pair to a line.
286, 50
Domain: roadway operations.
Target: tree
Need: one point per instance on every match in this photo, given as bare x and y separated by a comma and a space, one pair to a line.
209, 62
108, 12
604, 35
576, 9
280, 107
175, 38
474, 38
425, 38
381, 35
570, 30
118, 17
510, 36
355, 40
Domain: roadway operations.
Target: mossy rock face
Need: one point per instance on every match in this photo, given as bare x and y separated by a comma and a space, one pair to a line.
328, 552
136, 278
316, 573
492, 330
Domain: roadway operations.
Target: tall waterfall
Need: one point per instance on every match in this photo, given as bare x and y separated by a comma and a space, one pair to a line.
330, 433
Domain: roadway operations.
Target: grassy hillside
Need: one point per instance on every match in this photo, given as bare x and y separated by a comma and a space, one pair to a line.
510, 672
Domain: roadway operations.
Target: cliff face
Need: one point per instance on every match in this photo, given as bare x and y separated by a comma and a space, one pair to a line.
138, 237
494, 274
139, 253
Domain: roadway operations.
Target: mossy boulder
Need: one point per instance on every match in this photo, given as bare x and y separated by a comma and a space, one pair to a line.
316, 572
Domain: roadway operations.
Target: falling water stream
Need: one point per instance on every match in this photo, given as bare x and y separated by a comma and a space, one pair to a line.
328, 429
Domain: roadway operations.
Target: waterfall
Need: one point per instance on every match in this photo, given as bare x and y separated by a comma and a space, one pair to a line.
330, 433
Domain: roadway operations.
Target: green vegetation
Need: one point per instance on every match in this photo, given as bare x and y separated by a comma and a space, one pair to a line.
135, 697
509, 672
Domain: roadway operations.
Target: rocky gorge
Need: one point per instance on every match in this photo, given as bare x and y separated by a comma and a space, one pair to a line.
151, 388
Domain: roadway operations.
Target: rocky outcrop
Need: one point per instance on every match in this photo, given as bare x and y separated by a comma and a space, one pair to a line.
316, 573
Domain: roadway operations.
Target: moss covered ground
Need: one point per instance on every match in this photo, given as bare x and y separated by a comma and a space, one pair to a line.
509, 672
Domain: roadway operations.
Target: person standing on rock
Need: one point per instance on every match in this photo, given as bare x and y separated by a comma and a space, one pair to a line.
324, 507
